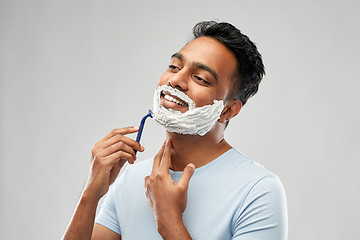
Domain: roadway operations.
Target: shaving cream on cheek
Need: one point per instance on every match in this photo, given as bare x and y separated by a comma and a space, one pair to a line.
195, 121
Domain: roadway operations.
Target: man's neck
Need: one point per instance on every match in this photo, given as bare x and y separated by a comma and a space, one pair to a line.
199, 150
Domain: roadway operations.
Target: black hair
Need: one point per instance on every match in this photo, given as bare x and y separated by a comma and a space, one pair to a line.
250, 68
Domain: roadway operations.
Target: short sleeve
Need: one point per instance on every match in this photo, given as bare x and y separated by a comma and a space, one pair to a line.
107, 215
264, 212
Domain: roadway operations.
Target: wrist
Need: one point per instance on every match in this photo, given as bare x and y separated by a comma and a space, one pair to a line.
165, 225
172, 227
89, 199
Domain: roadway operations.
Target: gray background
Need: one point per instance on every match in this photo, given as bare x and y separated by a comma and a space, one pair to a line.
71, 71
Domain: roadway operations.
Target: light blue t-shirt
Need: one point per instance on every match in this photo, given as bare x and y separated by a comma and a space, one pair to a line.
231, 197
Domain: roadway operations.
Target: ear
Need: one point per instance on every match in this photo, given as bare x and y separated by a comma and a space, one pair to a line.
231, 109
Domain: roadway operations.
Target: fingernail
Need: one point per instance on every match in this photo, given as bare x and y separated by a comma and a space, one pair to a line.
192, 166
136, 128
142, 148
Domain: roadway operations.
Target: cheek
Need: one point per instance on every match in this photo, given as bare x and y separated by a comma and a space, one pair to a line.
202, 96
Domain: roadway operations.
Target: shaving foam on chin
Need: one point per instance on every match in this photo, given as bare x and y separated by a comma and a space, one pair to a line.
195, 121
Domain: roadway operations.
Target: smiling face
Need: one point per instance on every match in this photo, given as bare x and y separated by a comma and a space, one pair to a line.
203, 70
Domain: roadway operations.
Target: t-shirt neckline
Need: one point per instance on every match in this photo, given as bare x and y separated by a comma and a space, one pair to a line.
213, 163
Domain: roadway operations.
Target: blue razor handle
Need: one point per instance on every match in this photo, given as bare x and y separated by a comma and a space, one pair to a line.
141, 128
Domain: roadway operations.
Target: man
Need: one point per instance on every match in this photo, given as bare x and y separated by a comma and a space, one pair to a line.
197, 186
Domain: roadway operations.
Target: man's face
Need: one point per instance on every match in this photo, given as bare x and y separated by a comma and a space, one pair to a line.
202, 70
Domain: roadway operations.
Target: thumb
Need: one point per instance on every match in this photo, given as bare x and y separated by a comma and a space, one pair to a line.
187, 174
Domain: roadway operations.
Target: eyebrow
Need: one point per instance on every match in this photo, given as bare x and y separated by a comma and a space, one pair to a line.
198, 65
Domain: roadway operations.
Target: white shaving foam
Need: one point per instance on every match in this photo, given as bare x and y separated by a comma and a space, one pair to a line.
195, 121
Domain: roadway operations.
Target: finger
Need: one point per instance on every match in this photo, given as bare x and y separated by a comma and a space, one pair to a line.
147, 193
122, 131
146, 180
119, 146
118, 156
120, 138
147, 184
157, 159
166, 158
187, 174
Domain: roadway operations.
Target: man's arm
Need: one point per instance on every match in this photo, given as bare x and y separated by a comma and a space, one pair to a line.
108, 157
168, 199
82, 224
100, 232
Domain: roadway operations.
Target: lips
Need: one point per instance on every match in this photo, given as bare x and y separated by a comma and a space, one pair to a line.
188, 120
173, 99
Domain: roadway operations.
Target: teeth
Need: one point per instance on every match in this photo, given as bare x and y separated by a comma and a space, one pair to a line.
171, 99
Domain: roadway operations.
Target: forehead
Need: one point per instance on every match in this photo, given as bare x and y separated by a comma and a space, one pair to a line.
212, 53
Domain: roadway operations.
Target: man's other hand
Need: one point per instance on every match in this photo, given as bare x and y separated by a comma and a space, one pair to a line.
167, 198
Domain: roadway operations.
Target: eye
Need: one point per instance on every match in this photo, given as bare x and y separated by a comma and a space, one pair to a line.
201, 80
173, 68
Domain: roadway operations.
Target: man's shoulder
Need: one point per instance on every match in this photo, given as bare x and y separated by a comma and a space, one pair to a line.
241, 165
242, 172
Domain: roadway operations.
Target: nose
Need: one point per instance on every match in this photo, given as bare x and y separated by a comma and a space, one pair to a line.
179, 80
